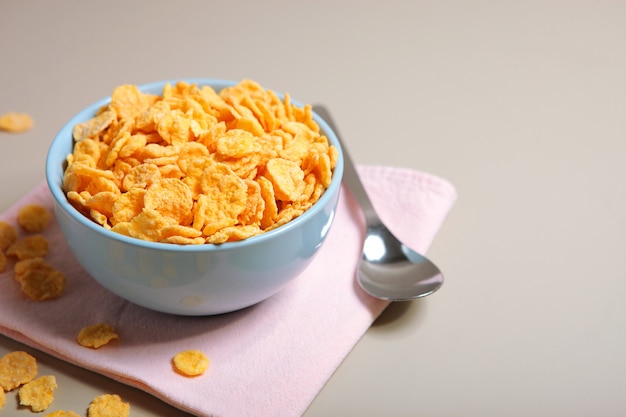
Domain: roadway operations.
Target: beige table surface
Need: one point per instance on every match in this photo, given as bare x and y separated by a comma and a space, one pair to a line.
521, 105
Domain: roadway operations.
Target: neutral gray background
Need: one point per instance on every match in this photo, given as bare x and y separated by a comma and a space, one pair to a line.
520, 104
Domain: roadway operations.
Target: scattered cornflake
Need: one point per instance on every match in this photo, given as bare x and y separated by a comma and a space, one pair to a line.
108, 405
96, 335
3, 399
16, 368
191, 362
62, 413
35, 246
39, 280
38, 394
8, 235
33, 217
16, 122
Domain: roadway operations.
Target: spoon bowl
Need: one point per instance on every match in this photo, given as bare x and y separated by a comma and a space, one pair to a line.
388, 268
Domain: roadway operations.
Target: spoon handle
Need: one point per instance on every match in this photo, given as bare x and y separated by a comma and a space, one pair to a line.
350, 175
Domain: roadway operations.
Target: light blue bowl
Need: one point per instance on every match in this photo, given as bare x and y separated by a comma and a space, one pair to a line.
190, 280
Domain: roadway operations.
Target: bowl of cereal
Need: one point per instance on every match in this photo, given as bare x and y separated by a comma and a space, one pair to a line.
195, 196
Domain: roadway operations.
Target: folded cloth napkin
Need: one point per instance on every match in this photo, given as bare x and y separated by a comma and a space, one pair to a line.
270, 359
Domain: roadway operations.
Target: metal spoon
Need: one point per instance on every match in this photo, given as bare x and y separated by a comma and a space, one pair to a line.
389, 269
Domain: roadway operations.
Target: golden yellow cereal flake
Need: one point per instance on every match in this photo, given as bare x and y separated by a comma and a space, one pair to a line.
96, 335
3, 399
39, 280
226, 197
8, 235
182, 240
128, 206
21, 267
191, 362
16, 122
108, 405
141, 176
34, 246
16, 368
94, 127
128, 102
270, 210
149, 225
286, 177
38, 394
33, 217
172, 198
233, 233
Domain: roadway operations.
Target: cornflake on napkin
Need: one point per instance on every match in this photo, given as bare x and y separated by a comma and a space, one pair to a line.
270, 359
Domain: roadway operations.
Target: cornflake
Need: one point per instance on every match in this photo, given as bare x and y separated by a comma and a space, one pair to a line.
191, 362
35, 246
230, 164
16, 368
96, 335
8, 235
171, 198
38, 393
33, 217
108, 405
39, 280
16, 122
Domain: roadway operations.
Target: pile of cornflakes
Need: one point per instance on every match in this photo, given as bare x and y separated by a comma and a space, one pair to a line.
19, 370
196, 166
38, 279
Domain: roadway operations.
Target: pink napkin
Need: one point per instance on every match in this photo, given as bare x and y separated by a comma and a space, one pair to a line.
268, 360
